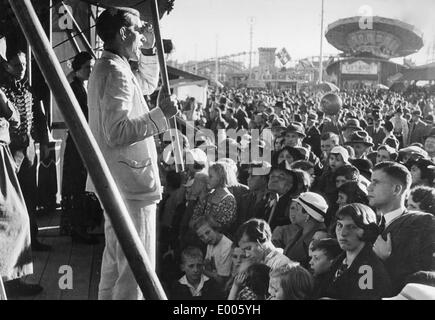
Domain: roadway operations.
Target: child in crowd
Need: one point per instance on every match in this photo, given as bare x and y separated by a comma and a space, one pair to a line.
218, 257
290, 282
251, 283
194, 284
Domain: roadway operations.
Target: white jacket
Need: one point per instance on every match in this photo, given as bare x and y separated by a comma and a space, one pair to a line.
124, 127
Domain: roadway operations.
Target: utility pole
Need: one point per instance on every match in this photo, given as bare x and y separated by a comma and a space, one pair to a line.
251, 36
321, 44
217, 61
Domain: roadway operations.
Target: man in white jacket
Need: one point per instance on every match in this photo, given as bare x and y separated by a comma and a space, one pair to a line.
124, 129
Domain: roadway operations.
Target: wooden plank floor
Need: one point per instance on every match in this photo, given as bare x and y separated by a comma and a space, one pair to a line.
85, 261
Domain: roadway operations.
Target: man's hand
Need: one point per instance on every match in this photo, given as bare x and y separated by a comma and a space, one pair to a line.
382, 248
168, 104
148, 33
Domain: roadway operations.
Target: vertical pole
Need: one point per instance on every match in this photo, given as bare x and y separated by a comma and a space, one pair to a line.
251, 37
321, 44
179, 165
89, 150
217, 62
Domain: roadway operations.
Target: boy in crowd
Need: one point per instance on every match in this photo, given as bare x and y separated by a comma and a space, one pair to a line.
218, 257
194, 284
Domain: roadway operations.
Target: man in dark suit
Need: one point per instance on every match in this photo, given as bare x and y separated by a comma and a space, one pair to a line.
313, 134
282, 185
407, 244
240, 114
418, 129
375, 131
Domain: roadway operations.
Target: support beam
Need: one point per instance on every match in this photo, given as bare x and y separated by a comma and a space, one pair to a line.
89, 151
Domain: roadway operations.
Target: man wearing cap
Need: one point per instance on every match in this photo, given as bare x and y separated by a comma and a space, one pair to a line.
294, 137
313, 134
375, 130
417, 129
352, 125
240, 114
361, 142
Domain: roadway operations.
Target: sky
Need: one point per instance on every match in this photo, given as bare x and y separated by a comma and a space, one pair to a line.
200, 29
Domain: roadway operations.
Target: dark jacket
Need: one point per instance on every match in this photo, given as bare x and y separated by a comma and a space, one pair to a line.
378, 137
413, 246
417, 132
210, 291
313, 139
349, 285
297, 250
280, 216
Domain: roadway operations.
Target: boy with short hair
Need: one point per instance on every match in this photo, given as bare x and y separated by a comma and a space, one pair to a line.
194, 284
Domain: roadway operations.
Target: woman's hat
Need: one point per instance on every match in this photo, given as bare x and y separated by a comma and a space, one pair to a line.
341, 151
314, 204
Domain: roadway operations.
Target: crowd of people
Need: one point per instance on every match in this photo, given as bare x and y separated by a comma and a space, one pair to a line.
348, 192
329, 197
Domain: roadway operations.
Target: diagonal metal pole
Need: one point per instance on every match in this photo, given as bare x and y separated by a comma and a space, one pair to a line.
179, 165
89, 151
79, 31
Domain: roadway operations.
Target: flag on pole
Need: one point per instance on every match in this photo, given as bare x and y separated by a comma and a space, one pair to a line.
283, 56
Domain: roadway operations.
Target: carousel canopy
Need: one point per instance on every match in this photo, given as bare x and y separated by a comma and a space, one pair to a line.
389, 38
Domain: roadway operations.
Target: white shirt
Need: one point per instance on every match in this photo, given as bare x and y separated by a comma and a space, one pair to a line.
196, 292
393, 215
221, 254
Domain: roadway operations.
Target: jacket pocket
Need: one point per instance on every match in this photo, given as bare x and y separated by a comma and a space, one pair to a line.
135, 176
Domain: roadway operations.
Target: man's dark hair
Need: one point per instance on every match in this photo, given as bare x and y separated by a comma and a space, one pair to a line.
329, 246
396, 171
112, 20
255, 230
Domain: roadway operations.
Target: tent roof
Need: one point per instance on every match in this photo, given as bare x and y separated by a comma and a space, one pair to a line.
425, 72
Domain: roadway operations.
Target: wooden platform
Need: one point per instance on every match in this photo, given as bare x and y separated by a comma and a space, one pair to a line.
85, 261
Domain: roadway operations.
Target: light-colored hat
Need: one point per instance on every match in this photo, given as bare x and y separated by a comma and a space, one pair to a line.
197, 155
415, 291
314, 204
341, 151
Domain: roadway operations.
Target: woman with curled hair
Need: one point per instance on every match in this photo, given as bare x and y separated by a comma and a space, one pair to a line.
220, 203
422, 199
357, 274
290, 282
